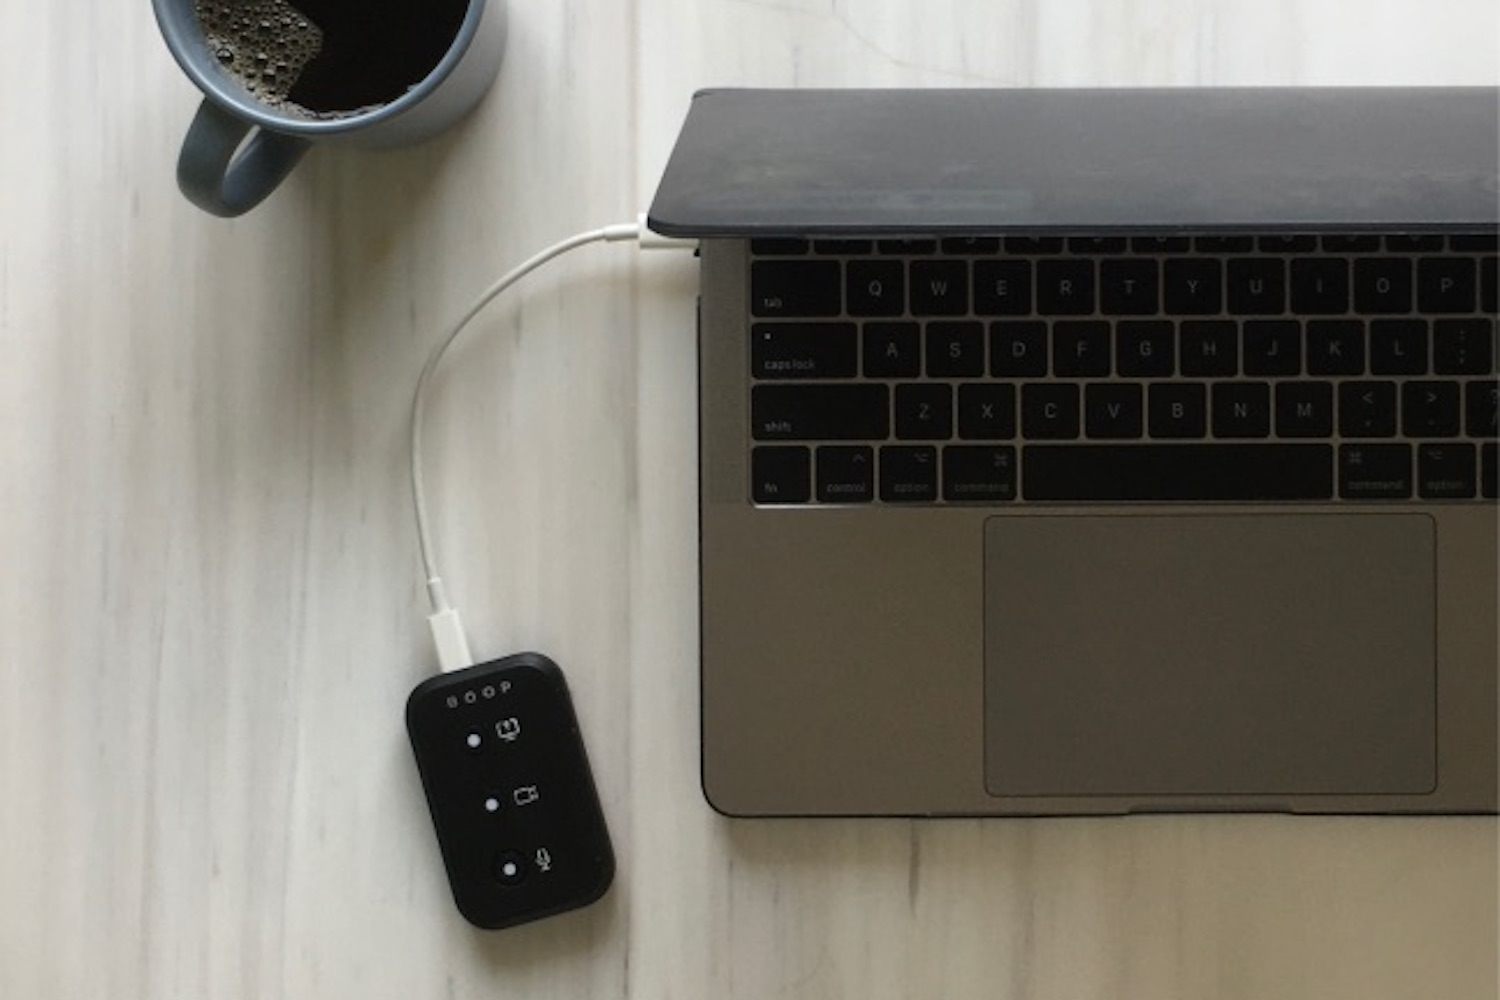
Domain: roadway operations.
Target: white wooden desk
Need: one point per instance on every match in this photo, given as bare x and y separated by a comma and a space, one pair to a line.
211, 610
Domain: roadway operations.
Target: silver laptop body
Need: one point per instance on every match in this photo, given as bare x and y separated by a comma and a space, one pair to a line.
1089, 452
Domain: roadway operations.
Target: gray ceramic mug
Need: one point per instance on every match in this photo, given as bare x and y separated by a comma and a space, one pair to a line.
239, 148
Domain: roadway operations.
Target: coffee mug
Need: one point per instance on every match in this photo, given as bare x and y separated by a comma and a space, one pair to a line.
278, 75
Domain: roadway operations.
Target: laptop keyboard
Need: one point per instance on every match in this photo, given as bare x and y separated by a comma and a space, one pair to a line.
1157, 369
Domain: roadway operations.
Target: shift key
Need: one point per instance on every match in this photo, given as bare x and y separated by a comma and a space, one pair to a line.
817, 412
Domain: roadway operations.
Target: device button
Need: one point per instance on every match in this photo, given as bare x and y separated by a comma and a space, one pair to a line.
509, 868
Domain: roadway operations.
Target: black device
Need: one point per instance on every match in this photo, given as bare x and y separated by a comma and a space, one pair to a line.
510, 790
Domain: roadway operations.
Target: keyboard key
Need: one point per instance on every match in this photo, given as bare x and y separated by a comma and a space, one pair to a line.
1129, 287
1335, 347
1489, 277
1320, 285
1304, 409
780, 475
1463, 346
1446, 471
1193, 287
1096, 244
1409, 243
1482, 401
1144, 348
1475, 242
1350, 243
778, 246
1049, 411
987, 411
1177, 410
1367, 409
876, 288
1489, 474
955, 350
1375, 472
1018, 349
794, 288
1080, 349
1210, 348
841, 248
1382, 285
1398, 347
1273, 347
971, 245
1429, 409
845, 474
939, 288
906, 247
1065, 287
924, 411
1159, 244
908, 474
812, 412
1177, 472
979, 473
1241, 409
892, 350
1027, 245
1002, 287
1445, 285
803, 350
1112, 410
1224, 244
1256, 286
1287, 244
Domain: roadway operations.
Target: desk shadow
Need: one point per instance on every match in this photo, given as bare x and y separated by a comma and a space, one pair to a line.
816, 843
894, 853
945, 851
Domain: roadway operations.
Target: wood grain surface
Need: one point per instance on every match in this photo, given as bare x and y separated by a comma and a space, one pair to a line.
211, 606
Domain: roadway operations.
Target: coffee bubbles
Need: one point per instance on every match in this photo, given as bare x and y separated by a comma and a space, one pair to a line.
324, 59
264, 44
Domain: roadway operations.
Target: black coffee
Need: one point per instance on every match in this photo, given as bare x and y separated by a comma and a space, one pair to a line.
264, 44
326, 58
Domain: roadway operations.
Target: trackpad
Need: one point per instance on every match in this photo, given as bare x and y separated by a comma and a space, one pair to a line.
1209, 655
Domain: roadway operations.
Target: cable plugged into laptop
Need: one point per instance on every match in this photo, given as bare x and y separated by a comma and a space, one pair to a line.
497, 744
444, 621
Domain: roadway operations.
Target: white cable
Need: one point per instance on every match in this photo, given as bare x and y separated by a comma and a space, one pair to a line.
447, 629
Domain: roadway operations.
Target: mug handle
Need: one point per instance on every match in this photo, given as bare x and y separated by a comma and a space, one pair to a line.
224, 179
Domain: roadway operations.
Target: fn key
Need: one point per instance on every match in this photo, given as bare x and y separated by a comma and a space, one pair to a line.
780, 474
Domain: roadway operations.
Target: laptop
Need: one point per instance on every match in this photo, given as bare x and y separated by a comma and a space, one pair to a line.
1095, 451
